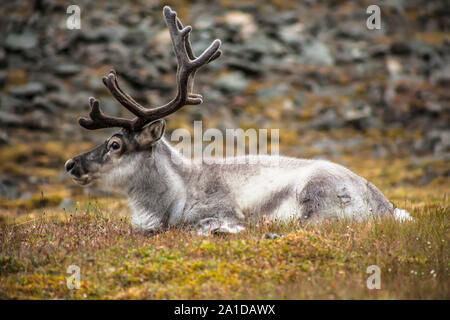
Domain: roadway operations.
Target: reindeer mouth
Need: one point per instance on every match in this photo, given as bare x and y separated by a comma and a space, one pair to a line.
83, 181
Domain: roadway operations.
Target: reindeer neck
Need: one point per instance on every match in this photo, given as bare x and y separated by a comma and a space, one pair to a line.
158, 188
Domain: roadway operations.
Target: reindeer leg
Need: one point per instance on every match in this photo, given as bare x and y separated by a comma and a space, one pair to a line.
216, 226
219, 218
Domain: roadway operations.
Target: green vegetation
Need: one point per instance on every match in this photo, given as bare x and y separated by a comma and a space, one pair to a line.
326, 261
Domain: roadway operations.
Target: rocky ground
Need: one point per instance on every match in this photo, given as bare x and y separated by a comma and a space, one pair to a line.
335, 89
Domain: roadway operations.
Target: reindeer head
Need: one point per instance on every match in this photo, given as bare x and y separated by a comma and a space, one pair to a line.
120, 154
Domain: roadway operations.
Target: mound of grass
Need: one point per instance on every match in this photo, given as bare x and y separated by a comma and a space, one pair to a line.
36, 201
326, 261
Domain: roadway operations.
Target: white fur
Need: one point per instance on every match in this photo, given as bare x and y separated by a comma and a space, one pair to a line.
120, 171
402, 215
144, 219
219, 196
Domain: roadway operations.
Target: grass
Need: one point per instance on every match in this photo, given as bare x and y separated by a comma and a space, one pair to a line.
309, 262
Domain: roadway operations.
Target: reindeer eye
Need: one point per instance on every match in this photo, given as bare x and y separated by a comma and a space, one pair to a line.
114, 145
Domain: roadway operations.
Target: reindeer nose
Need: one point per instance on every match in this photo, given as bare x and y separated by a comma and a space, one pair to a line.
69, 165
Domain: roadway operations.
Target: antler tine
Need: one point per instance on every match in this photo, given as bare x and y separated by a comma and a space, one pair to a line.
191, 55
98, 120
110, 81
188, 46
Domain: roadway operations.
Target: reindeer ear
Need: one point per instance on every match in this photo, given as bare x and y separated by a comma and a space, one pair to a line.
151, 133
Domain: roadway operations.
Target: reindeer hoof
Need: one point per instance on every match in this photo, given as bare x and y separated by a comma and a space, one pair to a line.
227, 230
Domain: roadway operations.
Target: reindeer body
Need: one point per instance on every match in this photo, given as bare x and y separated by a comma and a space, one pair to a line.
170, 190
165, 189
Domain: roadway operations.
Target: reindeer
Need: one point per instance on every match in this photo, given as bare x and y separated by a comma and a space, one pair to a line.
165, 189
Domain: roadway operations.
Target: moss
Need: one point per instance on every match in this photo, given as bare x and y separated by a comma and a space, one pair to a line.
45, 201
35, 202
17, 153
432, 37
10, 264
17, 77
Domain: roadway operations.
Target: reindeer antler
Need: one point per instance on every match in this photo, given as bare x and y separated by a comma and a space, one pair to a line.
188, 64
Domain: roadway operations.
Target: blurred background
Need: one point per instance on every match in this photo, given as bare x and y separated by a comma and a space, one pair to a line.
377, 101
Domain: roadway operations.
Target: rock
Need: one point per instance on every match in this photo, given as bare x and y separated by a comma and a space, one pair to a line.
442, 76
292, 35
243, 21
38, 120
299, 100
443, 145
27, 195
437, 141
162, 39
204, 21
4, 138
3, 78
62, 99
8, 188
130, 19
380, 152
142, 79
110, 106
259, 46
20, 42
134, 38
118, 54
378, 51
423, 50
249, 68
277, 18
272, 92
350, 30
361, 116
12, 105
10, 120
101, 34
66, 69
29, 90
326, 146
327, 119
434, 107
43, 103
78, 101
349, 52
93, 83
66, 204
353, 114
51, 82
427, 176
233, 82
316, 53
394, 66
215, 97
3, 60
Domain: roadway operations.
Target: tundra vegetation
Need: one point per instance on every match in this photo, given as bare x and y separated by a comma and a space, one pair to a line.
375, 102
